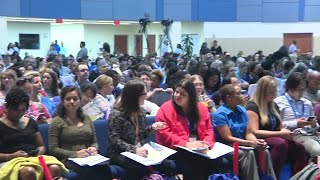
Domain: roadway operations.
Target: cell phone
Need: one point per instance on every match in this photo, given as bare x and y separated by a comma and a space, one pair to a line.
311, 118
33, 152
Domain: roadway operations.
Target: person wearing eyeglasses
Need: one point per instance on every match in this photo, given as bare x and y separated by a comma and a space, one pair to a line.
128, 130
297, 114
82, 75
265, 123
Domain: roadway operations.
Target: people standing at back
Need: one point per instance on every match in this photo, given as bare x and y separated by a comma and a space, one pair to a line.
56, 46
63, 50
83, 51
293, 47
216, 49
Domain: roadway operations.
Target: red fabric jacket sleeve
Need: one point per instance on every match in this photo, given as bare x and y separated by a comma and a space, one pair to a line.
176, 132
204, 128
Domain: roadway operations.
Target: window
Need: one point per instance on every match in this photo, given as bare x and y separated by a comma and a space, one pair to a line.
29, 41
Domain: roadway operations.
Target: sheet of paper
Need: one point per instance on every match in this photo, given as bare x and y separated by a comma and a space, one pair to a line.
92, 111
91, 160
156, 154
218, 150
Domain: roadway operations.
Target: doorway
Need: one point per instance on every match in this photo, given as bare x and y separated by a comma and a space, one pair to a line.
152, 43
121, 44
138, 45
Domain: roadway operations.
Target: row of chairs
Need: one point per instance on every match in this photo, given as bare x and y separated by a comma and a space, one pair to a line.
101, 128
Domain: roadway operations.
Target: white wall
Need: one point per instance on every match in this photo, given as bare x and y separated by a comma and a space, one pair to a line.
70, 34
233, 37
43, 29
3, 35
249, 46
250, 37
257, 30
96, 35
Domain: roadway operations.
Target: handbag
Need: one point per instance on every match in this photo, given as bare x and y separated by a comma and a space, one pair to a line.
235, 174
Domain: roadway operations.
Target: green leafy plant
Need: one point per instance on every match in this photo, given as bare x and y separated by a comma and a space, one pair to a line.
187, 45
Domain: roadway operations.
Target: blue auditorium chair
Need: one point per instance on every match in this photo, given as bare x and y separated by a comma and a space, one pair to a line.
101, 128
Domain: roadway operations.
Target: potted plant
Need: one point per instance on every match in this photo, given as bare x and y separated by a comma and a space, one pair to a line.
187, 45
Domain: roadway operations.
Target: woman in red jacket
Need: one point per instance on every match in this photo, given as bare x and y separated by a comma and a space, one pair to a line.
188, 124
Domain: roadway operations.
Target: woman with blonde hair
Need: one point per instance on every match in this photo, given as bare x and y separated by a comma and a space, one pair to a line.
265, 122
8, 79
105, 87
41, 108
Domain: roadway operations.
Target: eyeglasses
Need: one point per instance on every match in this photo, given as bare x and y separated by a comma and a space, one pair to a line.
143, 94
21, 81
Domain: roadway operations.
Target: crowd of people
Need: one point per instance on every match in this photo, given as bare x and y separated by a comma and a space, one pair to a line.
268, 103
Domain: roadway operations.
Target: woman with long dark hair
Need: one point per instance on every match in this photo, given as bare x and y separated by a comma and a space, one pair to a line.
128, 129
72, 135
212, 81
188, 124
50, 82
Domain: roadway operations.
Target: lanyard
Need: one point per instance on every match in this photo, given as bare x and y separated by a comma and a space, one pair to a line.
293, 109
273, 120
135, 122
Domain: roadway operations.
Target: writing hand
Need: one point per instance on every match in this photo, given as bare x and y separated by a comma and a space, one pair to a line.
92, 151
141, 152
82, 153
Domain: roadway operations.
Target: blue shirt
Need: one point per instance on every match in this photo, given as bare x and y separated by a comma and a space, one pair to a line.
236, 121
49, 105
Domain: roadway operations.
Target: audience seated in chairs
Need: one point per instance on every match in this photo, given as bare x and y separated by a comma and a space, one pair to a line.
8, 79
265, 122
187, 124
202, 97
71, 135
128, 130
230, 122
295, 112
37, 109
21, 142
